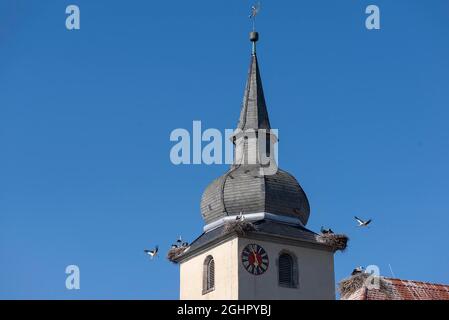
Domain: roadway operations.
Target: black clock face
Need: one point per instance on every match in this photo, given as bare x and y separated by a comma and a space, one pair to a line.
255, 259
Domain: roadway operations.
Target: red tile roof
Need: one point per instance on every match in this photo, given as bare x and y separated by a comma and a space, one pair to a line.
403, 290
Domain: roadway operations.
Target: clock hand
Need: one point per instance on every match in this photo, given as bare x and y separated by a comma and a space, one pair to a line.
256, 261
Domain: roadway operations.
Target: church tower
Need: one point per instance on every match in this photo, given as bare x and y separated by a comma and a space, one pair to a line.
255, 243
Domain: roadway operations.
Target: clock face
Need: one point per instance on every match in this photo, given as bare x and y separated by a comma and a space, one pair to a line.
255, 259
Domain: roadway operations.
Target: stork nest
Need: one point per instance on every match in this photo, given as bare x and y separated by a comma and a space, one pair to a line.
174, 253
238, 226
336, 241
350, 285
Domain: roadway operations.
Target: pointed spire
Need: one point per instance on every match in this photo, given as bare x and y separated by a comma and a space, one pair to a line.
254, 114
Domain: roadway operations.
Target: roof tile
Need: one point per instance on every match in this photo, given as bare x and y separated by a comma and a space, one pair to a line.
404, 290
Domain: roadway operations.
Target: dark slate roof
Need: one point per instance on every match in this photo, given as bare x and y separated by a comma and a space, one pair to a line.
254, 114
244, 189
264, 227
286, 230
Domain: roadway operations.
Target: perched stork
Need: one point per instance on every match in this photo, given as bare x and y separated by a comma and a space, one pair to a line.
326, 231
357, 271
240, 217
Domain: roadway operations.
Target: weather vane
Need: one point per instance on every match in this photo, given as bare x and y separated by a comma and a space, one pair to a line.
254, 12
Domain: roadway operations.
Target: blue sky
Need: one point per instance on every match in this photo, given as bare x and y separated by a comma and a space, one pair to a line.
85, 119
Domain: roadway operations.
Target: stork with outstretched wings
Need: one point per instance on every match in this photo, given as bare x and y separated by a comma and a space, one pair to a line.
152, 253
362, 223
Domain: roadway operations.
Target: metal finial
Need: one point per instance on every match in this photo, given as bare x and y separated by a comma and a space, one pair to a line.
254, 12
254, 36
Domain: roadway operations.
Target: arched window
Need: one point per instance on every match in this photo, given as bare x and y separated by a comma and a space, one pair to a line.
209, 275
288, 270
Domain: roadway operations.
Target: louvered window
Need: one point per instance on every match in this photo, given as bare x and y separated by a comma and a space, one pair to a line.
209, 275
287, 271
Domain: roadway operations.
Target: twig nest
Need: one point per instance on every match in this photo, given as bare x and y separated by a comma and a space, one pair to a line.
350, 285
336, 241
238, 226
175, 253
